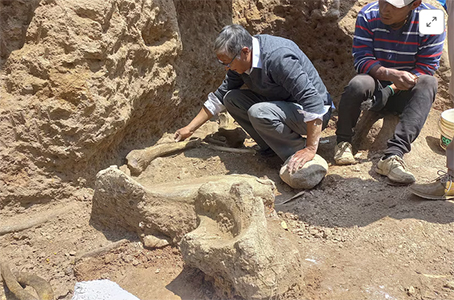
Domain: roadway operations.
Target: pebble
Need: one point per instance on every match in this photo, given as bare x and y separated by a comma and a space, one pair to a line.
152, 242
449, 285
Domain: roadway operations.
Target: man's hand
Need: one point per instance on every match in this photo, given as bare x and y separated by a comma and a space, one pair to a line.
182, 134
300, 158
403, 80
185, 132
314, 129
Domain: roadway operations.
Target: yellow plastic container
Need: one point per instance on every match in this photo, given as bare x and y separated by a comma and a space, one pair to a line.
446, 126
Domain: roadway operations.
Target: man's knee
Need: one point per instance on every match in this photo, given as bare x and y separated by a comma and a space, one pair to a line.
361, 84
427, 82
231, 98
259, 111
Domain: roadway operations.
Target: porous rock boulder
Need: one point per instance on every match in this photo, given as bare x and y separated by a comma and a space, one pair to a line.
308, 176
163, 210
245, 253
223, 223
121, 202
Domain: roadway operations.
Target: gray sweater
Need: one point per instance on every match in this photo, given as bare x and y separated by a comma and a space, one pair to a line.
286, 75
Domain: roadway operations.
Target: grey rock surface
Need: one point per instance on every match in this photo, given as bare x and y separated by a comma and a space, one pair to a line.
308, 176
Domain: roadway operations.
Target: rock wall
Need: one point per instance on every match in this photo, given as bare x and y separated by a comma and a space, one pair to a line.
314, 26
84, 82
89, 74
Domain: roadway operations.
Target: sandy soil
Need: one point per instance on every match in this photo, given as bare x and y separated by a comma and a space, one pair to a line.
360, 237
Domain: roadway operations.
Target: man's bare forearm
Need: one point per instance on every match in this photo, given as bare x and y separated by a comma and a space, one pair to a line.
203, 116
381, 73
314, 131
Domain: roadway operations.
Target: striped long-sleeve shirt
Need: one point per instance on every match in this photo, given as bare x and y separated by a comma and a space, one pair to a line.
375, 43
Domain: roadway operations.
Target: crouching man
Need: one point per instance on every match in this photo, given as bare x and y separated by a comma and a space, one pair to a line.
396, 65
284, 98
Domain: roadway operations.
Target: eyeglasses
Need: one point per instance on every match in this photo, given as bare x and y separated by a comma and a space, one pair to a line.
228, 65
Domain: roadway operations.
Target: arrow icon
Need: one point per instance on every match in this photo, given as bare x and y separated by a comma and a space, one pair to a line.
431, 21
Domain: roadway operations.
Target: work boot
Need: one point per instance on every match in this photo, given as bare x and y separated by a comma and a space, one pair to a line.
395, 168
441, 189
343, 154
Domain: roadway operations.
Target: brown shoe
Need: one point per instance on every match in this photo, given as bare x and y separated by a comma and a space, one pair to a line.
441, 189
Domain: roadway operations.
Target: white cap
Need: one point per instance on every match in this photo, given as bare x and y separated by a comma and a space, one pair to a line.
399, 3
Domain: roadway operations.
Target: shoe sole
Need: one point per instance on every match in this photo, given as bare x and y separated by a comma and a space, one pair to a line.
430, 197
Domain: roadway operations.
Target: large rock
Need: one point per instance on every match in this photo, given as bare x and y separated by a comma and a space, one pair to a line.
222, 220
308, 176
165, 211
121, 202
79, 78
244, 252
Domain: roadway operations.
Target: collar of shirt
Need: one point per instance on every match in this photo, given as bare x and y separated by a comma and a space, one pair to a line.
256, 60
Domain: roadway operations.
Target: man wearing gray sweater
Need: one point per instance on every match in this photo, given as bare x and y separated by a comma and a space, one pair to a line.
284, 97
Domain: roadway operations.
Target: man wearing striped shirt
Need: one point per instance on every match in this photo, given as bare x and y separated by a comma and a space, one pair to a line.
395, 65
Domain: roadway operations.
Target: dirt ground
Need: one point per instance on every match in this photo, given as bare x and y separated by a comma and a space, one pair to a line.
359, 236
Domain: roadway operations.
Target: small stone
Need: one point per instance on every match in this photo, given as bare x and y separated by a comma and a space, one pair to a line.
318, 235
449, 285
72, 253
284, 225
152, 242
313, 231
411, 291
299, 232
27, 89
69, 271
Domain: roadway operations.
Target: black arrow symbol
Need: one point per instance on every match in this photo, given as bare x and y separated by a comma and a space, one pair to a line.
428, 24
434, 18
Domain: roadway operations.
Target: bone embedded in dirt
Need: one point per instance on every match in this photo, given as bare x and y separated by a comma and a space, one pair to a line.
138, 160
244, 252
308, 176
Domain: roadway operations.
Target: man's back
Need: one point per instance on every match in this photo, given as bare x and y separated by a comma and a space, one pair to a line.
283, 74
274, 50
